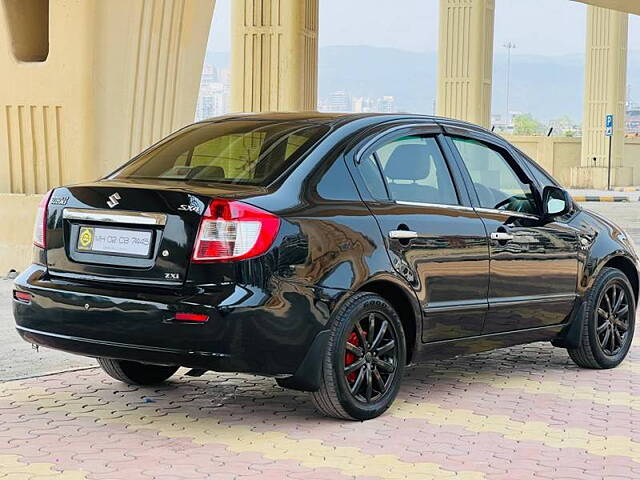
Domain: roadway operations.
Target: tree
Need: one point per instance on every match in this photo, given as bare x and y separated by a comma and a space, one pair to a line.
525, 124
565, 126
564, 122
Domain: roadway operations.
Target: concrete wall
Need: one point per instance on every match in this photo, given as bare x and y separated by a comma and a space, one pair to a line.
555, 154
632, 158
558, 155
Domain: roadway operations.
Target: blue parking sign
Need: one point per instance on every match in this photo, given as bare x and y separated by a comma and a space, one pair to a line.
608, 126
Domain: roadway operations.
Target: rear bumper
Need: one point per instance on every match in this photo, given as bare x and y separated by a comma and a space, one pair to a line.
125, 351
266, 330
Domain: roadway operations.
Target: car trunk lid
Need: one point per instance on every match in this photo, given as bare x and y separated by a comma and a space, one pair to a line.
131, 232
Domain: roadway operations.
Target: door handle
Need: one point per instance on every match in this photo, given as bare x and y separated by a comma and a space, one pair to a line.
501, 236
402, 234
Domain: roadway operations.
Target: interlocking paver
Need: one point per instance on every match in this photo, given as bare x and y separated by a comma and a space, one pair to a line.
522, 412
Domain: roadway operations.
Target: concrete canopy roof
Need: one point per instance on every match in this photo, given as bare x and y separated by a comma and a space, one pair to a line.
629, 6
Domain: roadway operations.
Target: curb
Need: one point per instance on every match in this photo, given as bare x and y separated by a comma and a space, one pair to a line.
627, 189
600, 198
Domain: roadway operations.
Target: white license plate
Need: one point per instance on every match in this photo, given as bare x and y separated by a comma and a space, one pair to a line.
118, 241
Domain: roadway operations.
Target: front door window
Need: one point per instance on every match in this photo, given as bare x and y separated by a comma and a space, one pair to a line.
496, 182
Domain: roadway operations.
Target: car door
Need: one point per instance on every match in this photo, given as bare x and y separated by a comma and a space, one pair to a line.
534, 263
435, 239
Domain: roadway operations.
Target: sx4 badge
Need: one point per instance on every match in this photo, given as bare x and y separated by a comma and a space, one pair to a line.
189, 208
59, 201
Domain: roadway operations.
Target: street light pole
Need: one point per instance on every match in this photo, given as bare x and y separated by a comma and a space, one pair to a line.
509, 46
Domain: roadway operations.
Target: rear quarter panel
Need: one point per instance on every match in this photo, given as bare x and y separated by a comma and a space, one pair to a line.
333, 239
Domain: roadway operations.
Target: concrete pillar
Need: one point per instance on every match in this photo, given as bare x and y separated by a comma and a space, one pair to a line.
465, 60
604, 93
85, 85
274, 55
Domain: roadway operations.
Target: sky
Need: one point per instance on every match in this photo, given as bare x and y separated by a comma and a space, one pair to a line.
537, 27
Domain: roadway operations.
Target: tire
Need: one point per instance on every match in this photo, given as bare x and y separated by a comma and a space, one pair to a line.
134, 373
595, 350
375, 385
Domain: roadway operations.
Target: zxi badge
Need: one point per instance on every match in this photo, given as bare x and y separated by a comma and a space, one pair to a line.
113, 200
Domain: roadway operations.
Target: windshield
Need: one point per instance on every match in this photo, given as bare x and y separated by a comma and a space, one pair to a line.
238, 151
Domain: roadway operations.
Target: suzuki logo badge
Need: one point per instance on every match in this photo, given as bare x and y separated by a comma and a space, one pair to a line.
113, 200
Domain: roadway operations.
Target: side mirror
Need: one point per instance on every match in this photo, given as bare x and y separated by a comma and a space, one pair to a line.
555, 202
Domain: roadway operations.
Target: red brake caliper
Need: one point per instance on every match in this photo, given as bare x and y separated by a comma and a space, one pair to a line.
349, 357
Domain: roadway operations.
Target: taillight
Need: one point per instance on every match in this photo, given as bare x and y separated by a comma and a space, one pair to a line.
231, 230
23, 297
40, 227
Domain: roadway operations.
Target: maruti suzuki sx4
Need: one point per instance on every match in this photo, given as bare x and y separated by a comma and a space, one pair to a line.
328, 251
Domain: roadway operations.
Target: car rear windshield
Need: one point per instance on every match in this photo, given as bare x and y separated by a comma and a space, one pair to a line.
235, 151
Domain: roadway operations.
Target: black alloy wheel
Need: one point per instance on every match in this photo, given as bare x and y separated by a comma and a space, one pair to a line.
370, 357
608, 321
364, 360
612, 322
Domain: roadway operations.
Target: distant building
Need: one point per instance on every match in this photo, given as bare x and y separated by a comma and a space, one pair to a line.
500, 124
213, 99
339, 101
224, 76
632, 120
363, 105
209, 75
387, 104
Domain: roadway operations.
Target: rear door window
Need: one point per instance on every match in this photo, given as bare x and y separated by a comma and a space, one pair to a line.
237, 151
409, 169
372, 176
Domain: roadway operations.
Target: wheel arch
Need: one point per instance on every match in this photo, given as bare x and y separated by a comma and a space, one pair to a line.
405, 304
626, 266
571, 335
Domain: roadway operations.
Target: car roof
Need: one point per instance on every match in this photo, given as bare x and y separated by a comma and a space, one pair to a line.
338, 119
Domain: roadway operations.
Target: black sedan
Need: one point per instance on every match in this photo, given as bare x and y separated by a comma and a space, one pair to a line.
326, 251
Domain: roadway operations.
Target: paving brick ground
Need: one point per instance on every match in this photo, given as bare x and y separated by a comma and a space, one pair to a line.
519, 413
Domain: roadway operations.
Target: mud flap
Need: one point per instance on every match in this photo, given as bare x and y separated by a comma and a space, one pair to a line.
570, 336
307, 377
